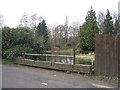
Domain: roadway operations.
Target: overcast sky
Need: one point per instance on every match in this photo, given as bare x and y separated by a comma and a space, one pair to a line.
53, 11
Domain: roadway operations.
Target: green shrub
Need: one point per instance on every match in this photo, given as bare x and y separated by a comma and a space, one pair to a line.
19, 58
17, 41
15, 52
84, 52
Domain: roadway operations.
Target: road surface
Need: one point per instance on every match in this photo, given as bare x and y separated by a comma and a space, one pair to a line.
29, 77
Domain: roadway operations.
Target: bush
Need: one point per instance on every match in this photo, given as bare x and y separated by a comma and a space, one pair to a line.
38, 48
15, 52
84, 52
19, 58
16, 41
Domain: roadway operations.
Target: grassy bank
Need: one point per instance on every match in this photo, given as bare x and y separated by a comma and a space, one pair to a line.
90, 57
4, 61
113, 80
85, 59
0, 61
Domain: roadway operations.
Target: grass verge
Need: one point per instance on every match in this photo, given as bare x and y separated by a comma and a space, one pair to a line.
113, 80
85, 59
4, 61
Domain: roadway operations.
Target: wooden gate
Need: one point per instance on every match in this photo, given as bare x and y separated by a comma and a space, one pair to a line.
107, 50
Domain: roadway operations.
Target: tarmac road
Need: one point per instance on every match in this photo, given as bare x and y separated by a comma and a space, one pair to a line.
30, 77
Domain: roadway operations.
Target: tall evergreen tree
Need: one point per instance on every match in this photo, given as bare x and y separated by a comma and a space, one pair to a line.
42, 34
87, 31
108, 24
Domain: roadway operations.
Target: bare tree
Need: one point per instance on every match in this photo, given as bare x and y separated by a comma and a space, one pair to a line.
51, 30
24, 20
1, 20
116, 24
73, 32
76, 27
33, 21
58, 34
101, 17
66, 29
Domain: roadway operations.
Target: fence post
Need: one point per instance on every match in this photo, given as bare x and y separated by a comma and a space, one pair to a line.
73, 55
23, 55
46, 57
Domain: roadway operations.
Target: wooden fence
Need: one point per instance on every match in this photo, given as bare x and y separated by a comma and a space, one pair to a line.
79, 68
107, 50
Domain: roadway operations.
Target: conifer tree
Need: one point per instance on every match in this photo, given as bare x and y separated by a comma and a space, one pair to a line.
87, 31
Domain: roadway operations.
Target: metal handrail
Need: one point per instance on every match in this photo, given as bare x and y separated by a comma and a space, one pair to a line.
47, 55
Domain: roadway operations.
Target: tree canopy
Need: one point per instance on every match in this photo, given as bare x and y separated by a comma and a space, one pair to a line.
42, 34
108, 24
87, 31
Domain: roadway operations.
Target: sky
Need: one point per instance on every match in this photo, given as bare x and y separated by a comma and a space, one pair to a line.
53, 11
